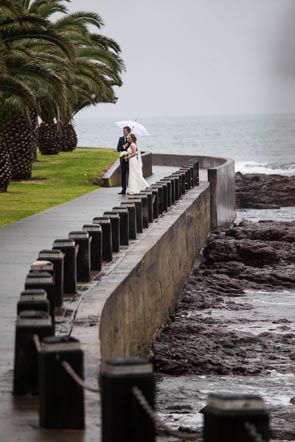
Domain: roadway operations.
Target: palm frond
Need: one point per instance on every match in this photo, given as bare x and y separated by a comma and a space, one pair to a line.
11, 35
81, 18
45, 8
16, 87
105, 42
26, 20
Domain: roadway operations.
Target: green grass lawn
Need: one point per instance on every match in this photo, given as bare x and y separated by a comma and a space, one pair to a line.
55, 180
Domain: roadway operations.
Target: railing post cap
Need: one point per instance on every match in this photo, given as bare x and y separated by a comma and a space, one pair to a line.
234, 402
126, 367
78, 234
60, 344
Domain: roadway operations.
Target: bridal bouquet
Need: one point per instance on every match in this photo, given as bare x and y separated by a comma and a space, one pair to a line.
124, 155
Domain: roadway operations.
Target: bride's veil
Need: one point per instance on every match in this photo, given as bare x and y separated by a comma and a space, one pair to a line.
139, 155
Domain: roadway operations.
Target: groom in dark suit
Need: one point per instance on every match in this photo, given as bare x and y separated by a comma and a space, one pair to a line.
123, 146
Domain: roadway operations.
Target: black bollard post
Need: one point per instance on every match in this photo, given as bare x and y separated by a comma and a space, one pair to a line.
43, 280
150, 200
187, 172
95, 234
115, 222
192, 173
43, 266
181, 176
123, 418
139, 213
70, 250
39, 267
132, 218
145, 209
177, 185
124, 224
25, 374
235, 417
82, 239
165, 194
156, 201
107, 245
57, 259
159, 198
169, 190
183, 180
33, 299
172, 188
195, 163
61, 398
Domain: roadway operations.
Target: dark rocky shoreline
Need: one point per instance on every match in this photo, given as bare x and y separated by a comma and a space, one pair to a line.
246, 257
210, 333
260, 191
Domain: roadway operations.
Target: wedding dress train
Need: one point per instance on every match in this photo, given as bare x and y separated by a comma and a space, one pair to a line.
136, 181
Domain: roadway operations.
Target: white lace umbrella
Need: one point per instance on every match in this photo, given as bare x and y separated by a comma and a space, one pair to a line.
136, 128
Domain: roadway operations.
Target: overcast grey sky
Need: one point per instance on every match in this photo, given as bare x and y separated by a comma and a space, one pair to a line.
201, 57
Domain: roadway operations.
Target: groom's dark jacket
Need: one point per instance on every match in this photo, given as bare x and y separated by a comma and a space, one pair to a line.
124, 164
121, 142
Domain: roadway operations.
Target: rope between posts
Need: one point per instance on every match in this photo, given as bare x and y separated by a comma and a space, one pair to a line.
37, 343
71, 372
253, 432
69, 369
148, 409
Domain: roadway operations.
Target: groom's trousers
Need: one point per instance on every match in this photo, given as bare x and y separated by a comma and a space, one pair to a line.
124, 173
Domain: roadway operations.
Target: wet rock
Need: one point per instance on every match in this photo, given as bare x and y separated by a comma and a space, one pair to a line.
251, 256
260, 191
205, 337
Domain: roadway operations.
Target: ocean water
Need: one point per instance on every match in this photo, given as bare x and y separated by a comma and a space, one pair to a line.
258, 143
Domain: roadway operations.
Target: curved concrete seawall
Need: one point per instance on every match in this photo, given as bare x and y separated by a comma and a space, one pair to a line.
138, 295
134, 298
142, 290
221, 176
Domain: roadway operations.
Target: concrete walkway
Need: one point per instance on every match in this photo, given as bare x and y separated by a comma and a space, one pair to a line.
20, 243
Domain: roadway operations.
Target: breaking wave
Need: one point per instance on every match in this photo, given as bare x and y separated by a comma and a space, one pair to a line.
287, 169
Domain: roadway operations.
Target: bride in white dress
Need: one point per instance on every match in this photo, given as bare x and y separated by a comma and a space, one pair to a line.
136, 182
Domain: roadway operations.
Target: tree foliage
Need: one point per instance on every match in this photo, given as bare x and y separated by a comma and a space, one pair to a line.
56, 67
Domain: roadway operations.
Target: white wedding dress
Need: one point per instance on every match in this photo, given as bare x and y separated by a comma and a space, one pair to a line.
136, 182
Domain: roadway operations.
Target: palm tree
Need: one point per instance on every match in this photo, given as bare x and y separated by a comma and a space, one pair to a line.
48, 70
90, 80
19, 77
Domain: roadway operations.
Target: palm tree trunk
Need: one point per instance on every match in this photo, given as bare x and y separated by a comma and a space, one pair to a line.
34, 120
49, 138
5, 172
19, 140
68, 137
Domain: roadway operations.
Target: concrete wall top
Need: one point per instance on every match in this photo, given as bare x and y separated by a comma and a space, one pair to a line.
205, 162
112, 176
221, 175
